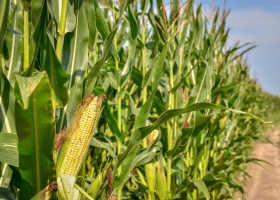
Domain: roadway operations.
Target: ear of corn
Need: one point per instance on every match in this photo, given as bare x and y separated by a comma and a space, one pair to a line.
78, 136
141, 177
151, 179
66, 189
101, 24
160, 181
96, 185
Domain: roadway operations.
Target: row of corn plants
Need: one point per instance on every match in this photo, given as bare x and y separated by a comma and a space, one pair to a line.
124, 100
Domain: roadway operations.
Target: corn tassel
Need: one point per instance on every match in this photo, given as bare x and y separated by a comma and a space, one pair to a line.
75, 140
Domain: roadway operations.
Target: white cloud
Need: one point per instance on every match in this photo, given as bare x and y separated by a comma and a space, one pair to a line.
263, 29
258, 26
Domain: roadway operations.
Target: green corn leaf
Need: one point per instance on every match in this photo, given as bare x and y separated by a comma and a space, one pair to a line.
225, 88
144, 4
101, 23
55, 10
50, 62
6, 106
143, 114
35, 112
91, 78
210, 179
37, 30
133, 24
123, 5
91, 21
54, 69
142, 132
198, 93
14, 42
202, 187
136, 76
184, 136
75, 61
8, 148
104, 145
96, 186
126, 72
4, 13
112, 123
125, 169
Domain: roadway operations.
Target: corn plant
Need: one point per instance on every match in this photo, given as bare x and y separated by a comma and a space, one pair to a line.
124, 100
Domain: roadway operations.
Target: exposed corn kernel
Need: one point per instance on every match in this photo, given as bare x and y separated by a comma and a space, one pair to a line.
79, 135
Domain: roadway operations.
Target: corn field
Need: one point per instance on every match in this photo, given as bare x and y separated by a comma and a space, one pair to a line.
125, 100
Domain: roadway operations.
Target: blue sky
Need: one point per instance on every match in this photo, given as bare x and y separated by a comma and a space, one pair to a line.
256, 21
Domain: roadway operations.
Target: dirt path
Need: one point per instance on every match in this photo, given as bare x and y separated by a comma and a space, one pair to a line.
265, 183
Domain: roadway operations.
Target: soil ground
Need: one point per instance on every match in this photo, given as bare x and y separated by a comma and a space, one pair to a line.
265, 182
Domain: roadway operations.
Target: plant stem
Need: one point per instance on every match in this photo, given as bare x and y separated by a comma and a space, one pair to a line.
61, 30
25, 39
144, 60
148, 172
144, 70
170, 131
169, 169
119, 103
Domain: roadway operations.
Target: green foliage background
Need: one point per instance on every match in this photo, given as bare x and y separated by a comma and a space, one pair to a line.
182, 112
